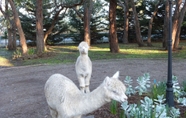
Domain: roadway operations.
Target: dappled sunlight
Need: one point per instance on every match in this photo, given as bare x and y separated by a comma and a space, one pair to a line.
132, 51
99, 49
142, 51
63, 49
127, 51
5, 62
5, 57
69, 54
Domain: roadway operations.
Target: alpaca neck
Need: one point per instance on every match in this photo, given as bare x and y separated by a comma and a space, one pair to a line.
93, 100
83, 55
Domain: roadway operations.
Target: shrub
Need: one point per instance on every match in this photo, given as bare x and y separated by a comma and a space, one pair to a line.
154, 107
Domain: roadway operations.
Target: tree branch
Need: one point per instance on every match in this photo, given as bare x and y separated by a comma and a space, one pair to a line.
71, 6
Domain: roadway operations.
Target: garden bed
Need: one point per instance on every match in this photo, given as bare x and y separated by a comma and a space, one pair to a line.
105, 112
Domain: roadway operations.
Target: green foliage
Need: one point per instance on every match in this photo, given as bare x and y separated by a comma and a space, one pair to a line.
98, 21
17, 54
31, 51
28, 20
154, 107
158, 89
148, 109
176, 87
113, 107
144, 83
182, 101
184, 85
128, 82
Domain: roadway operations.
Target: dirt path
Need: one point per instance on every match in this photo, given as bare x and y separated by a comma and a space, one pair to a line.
21, 88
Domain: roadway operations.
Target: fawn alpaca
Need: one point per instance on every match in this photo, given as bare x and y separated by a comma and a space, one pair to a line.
65, 100
83, 67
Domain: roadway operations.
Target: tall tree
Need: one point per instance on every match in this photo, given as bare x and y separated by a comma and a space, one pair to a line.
19, 28
39, 27
87, 15
166, 24
113, 41
181, 17
175, 21
151, 21
137, 25
11, 28
125, 6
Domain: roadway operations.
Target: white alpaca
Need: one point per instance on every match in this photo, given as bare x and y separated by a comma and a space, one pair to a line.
65, 100
83, 67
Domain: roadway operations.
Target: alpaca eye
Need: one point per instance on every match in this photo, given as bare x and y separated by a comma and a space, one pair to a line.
115, 92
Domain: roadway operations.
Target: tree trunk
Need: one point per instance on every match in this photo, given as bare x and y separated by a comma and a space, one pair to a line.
137, 25
150, 23
114, 47
125, 6
165, 26
87, 14
11, 28
126, 22
181, 17
39, 27
14, 44
19, 28
10, 39
175, 21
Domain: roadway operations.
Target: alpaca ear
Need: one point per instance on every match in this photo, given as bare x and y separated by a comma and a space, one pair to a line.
116, 75
107, 81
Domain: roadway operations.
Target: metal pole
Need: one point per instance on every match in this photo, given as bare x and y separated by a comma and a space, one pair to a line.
169, 91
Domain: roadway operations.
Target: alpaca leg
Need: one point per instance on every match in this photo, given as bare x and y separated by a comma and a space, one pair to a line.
87, 83
82, 88
87, 89
53, 113
82, 84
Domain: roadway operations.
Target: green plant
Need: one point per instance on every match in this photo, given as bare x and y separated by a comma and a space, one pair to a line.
158, 89
113, 107
31, 51
176, 87
154, 107
16, 54
182, 101
144, 83
184, 86
147, 109
128, 82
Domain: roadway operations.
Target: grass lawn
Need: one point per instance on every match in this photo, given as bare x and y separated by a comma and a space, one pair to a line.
69, 53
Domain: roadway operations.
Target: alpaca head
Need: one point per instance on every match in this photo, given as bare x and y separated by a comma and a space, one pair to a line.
83, 47
115, 89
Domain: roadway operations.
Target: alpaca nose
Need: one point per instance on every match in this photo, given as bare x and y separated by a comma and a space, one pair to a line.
125, 98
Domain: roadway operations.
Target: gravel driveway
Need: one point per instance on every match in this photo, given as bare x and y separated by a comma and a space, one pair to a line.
21, 88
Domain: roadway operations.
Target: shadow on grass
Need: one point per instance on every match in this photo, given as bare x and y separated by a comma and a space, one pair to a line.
5, 57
